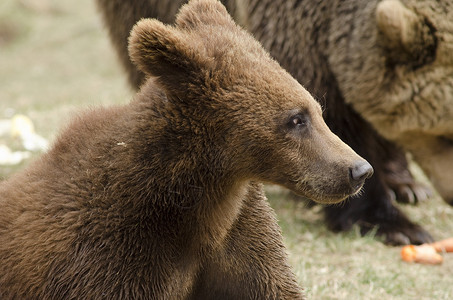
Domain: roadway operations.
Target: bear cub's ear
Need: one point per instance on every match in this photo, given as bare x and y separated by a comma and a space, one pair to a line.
160, 50
199, 12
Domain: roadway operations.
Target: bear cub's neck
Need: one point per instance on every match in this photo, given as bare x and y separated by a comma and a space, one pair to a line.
158, 169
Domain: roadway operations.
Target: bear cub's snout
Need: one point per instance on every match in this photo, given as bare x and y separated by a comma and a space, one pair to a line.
361, 171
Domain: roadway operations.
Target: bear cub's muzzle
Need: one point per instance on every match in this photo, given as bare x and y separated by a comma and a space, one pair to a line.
361, 171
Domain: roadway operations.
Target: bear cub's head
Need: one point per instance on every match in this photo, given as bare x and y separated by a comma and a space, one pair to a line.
230, 111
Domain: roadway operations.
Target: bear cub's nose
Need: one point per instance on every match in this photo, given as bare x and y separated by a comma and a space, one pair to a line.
361, 171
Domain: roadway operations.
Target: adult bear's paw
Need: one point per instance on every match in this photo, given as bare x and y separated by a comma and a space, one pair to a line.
409, 192
401, 185
398, 231
376, 212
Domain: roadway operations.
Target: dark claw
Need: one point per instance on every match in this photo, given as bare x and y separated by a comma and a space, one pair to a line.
399, 182
397, 238
411, 193
413, 234
403, 234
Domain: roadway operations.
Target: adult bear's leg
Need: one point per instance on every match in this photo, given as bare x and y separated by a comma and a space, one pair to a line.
374, 207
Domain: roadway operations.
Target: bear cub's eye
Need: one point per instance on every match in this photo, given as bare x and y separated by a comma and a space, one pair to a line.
298, 121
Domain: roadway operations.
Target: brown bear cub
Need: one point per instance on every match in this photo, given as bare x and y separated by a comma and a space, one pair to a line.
159, 199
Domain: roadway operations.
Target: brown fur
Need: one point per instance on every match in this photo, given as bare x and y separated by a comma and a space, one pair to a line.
158, 199
396, 71
382, 70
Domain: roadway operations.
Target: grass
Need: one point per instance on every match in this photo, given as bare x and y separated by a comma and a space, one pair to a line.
347, 266
55, 59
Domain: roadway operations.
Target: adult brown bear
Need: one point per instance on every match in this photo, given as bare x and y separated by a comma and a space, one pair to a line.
382, 70
159, 199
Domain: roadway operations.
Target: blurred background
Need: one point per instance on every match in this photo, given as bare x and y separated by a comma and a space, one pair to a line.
56, 60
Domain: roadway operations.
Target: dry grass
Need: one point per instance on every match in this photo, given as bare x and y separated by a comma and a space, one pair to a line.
55, 59
347, 266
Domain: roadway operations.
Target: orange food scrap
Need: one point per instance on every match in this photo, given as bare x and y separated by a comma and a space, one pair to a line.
424, 254
444, 245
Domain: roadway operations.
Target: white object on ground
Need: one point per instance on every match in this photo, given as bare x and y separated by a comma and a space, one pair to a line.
5, 127
22, 127
8, 157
